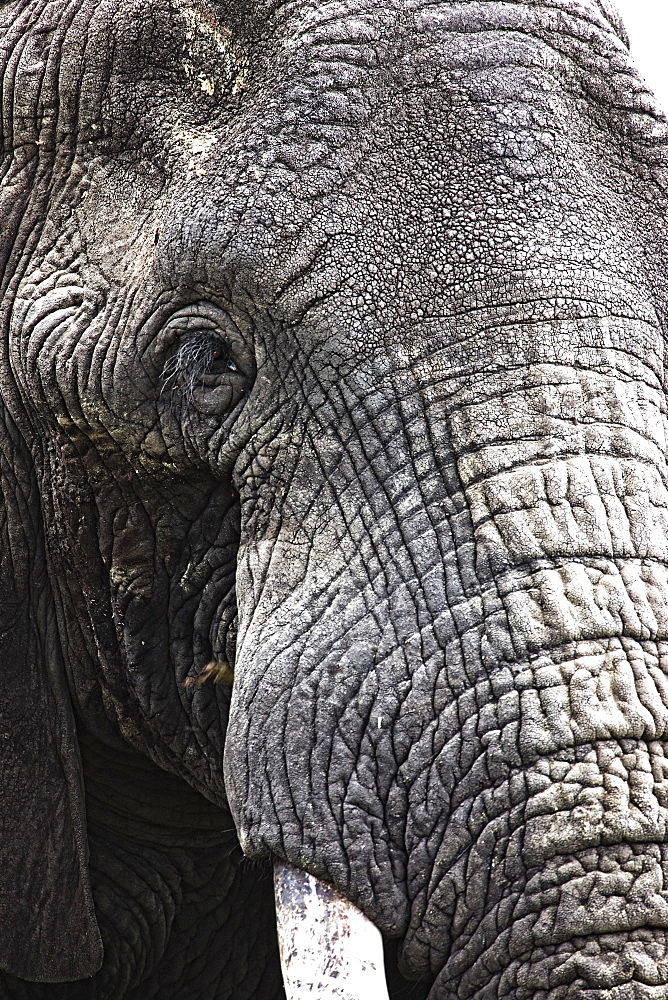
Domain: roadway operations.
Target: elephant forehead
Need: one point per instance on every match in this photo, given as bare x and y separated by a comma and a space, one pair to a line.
380, 166
191, 81
169, 68
446, 151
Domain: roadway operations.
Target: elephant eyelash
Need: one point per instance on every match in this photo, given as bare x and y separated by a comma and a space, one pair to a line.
183, 372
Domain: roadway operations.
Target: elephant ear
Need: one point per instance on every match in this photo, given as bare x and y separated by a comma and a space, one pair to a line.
49, 930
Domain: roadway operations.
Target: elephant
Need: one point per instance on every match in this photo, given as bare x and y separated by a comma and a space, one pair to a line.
334, 495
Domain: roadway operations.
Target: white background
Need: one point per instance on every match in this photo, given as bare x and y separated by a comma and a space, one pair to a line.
647, 24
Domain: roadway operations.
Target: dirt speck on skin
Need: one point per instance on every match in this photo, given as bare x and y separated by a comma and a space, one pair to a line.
217, 671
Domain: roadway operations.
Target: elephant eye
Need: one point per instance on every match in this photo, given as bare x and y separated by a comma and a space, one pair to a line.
198, 357
221, 357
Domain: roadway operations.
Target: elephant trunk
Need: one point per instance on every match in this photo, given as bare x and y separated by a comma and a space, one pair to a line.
451, 697
566, 485
562, 889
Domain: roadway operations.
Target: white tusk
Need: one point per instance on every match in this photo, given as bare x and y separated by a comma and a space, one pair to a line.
329, 949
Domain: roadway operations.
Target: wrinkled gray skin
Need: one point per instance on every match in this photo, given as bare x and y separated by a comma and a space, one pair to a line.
344, 318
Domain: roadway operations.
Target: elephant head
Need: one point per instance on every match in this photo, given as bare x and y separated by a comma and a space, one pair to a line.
333, 358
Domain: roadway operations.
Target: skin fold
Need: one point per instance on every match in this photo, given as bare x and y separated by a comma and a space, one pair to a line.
332, 370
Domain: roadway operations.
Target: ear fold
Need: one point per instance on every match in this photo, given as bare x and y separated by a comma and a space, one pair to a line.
49, 931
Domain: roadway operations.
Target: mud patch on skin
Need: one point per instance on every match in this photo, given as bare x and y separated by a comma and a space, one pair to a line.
213, 61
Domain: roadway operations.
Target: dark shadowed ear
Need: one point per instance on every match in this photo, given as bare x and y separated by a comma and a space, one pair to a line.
48, 930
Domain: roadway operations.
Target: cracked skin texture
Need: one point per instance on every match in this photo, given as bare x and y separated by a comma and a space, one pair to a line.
333, 350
